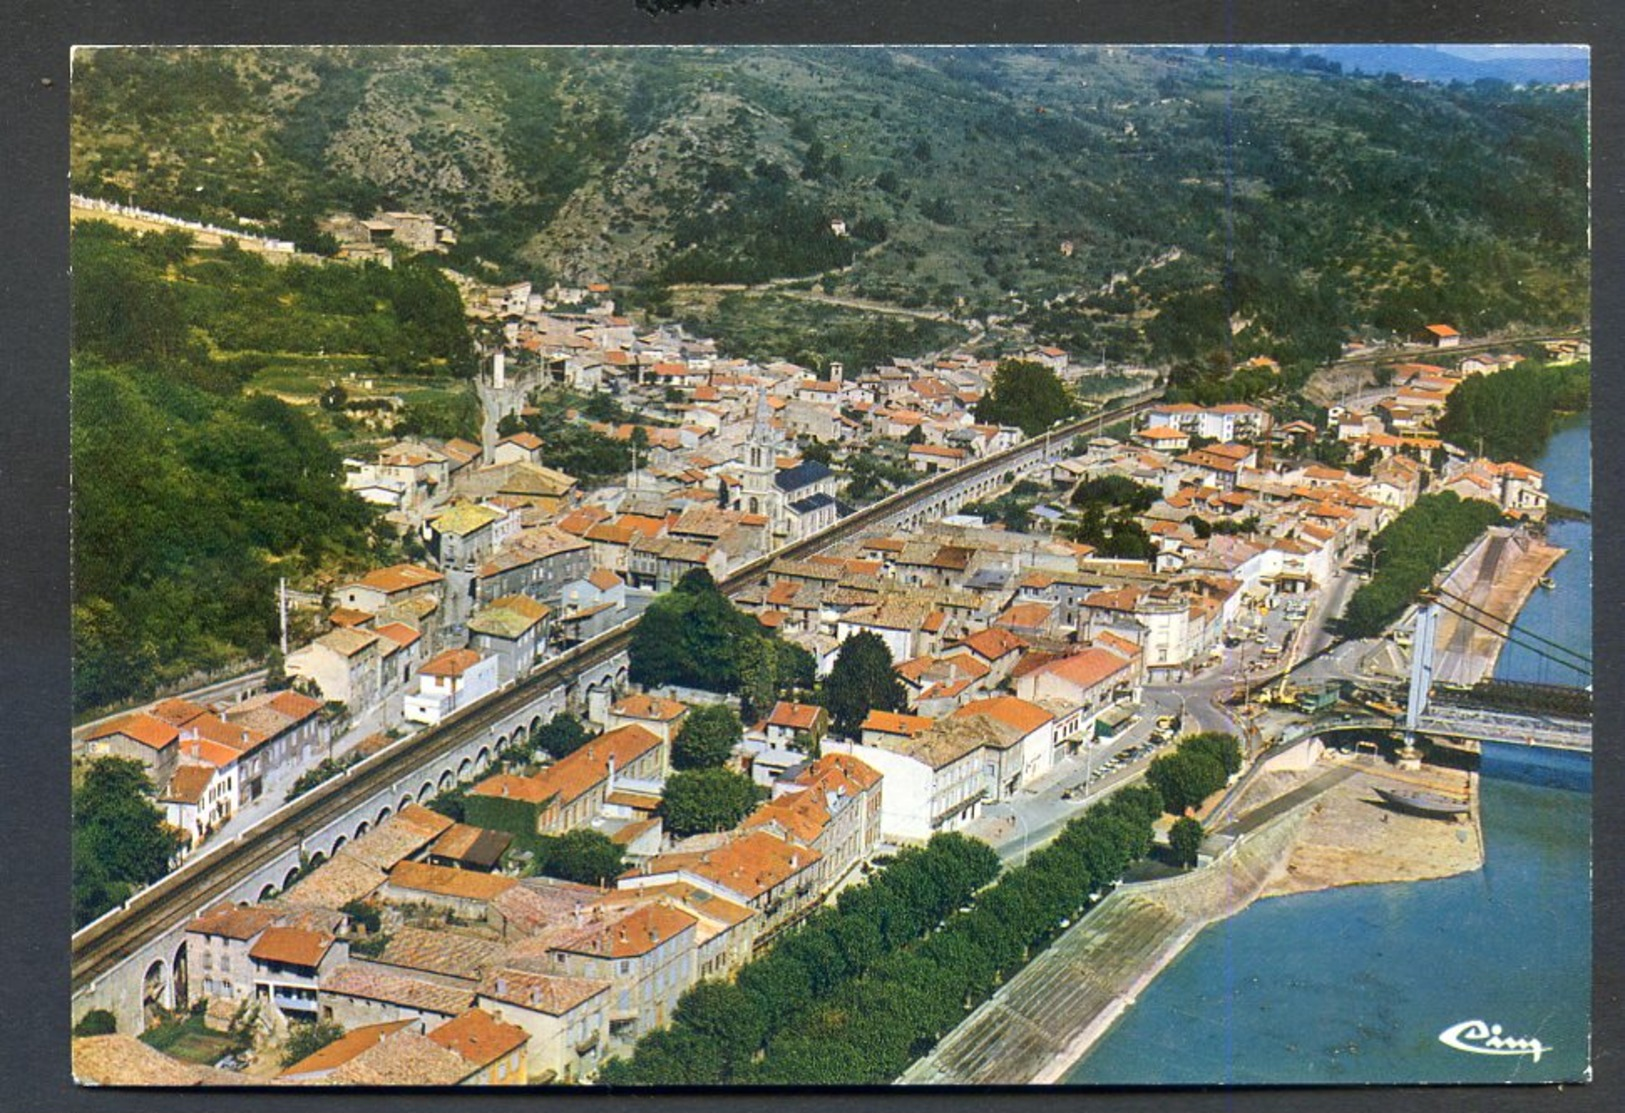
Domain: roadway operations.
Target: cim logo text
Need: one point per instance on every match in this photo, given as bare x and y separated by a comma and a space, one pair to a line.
1480, 1038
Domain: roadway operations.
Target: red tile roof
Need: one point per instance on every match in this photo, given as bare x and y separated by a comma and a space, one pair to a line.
1087, 669
887, 722
291, 946
345, 1048
448, 882
234, 922
452, 662
143, 728
794, 716
479, 1037
1009, 710
188, 783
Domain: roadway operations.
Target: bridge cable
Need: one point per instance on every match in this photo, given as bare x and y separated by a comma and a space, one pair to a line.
1509, 625
1581, 665
1511, 633
1581, 669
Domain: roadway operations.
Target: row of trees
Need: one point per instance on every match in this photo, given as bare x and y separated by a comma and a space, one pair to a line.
1199, 766
868, 986
1409, 553
694, 637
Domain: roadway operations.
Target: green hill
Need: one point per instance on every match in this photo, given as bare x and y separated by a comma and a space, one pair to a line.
1165, 205
204, 464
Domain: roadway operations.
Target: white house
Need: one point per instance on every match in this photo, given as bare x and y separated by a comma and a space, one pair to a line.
449, 682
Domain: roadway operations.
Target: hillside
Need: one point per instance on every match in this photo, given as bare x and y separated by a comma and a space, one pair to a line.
204, 466
1156, 204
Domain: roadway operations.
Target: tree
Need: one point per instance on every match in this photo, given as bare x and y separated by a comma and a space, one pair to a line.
304, 1040
1185, 778
861, 681
758, 676
1222, 747
97, 1022
364, 914
452, 803
120, 839
561, 735
1028, 394
583, 855
707, 738
276, 670
1184, 839
701, 800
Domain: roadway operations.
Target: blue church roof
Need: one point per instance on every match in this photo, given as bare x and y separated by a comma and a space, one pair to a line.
804, 474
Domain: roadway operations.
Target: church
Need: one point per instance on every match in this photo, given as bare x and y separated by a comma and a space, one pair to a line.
796, 501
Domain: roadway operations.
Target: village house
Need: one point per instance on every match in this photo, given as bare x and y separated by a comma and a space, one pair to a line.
565, 1018
648, 955
777, 879
514, 630
138, 737
345, 664
451, 681
464, 533
278, 735
286, 965
574, 790
538, 562
659, 716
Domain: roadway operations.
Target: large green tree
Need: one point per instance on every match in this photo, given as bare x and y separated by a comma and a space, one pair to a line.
1028, 394
1184, 839
701, 800
861, 680
560, 736
583, 855
707, 738
120, 839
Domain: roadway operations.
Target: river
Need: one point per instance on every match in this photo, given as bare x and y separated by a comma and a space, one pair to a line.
1356, 985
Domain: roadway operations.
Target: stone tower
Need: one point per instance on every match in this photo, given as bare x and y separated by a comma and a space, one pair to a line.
758, 494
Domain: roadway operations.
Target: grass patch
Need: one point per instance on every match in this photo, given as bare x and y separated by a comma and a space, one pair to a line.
189, 1040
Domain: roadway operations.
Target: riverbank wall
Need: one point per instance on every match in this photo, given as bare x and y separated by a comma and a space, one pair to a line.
1046, 1017
1496, 577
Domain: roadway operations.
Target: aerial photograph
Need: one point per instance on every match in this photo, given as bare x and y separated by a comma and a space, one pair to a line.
795, 566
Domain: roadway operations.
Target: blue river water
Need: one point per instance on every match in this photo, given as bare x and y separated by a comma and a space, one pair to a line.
1356, 985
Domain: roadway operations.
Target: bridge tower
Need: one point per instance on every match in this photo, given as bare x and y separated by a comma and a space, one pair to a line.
1422, 661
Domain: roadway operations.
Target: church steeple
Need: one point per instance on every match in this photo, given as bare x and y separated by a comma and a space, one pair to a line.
761, 449
758, 493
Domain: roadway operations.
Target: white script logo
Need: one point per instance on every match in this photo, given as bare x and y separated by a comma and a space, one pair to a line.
1480, 1038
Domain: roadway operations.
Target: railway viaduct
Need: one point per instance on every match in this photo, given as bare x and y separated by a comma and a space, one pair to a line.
134, 956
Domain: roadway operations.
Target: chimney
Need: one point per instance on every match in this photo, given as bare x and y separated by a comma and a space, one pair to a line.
502, 986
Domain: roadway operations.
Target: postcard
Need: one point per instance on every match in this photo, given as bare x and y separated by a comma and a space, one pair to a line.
830, 565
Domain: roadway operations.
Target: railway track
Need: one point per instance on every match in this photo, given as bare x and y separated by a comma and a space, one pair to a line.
203, 881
